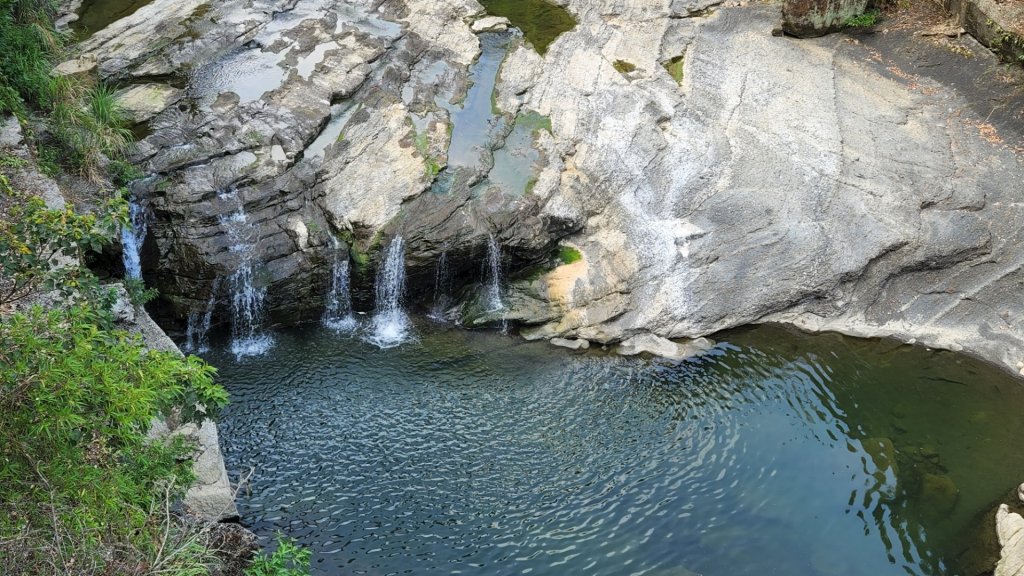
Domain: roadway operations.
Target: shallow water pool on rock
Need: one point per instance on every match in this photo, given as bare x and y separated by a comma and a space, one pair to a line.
539, 20
477, 453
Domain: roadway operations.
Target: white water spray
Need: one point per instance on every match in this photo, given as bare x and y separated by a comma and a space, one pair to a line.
492, 296
390, 323
197, 331
133, 234
442, 287
247, 300
338, 310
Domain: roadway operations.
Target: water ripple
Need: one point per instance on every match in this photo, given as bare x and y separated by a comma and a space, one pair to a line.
468, 453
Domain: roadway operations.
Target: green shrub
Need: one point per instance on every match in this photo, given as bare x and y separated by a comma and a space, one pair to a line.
82, 488
289, 559
33, 236
864, 20
138, 293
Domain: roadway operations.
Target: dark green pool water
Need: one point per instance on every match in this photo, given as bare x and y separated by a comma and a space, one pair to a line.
477, 453
540, 21
95, 15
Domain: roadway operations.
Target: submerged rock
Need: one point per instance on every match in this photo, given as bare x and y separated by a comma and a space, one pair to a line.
572, 344
657, 346
939, 494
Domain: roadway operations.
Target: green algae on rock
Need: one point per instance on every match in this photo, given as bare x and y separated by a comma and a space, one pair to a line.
540, 21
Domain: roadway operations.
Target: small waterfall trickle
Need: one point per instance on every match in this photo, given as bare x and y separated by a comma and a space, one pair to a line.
133, 234
197, 331
442, 288
492, 296
247, 300
390, 323
247, 337
338, 310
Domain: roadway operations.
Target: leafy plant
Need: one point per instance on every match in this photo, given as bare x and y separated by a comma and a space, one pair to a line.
123, 172
863, 20
289, 559
137, 291
83, 490
41, 249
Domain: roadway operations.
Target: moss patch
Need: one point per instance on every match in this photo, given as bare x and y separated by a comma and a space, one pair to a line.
568, 254
624, 67
675, 66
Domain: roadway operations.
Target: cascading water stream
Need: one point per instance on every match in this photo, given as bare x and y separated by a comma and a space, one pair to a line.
338, 309
247, 300
197, 331
442, 288
492, 296
133, 235
390, 323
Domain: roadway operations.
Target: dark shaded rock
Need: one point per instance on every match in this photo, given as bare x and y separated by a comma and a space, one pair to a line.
813, 18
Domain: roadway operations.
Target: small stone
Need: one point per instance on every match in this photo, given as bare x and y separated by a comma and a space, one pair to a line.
490, 24
571, 343
225, 102
76, 66
277, 153
10, 133
1020, 493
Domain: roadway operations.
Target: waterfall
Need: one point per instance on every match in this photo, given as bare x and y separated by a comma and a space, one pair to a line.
338, 310
198, 328
492, 295
247, 336
390, 324
442, 286
133, 234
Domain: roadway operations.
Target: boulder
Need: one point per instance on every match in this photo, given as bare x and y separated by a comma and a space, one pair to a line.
1010, 528
144, 101
812, 18
939, 494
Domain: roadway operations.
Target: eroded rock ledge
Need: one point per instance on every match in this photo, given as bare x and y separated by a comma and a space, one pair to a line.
710, 174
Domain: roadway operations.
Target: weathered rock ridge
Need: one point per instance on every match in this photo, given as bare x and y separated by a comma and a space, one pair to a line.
814, 182
809, 182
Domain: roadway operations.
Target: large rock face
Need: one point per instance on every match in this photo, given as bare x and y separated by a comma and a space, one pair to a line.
811, 182
710, 174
